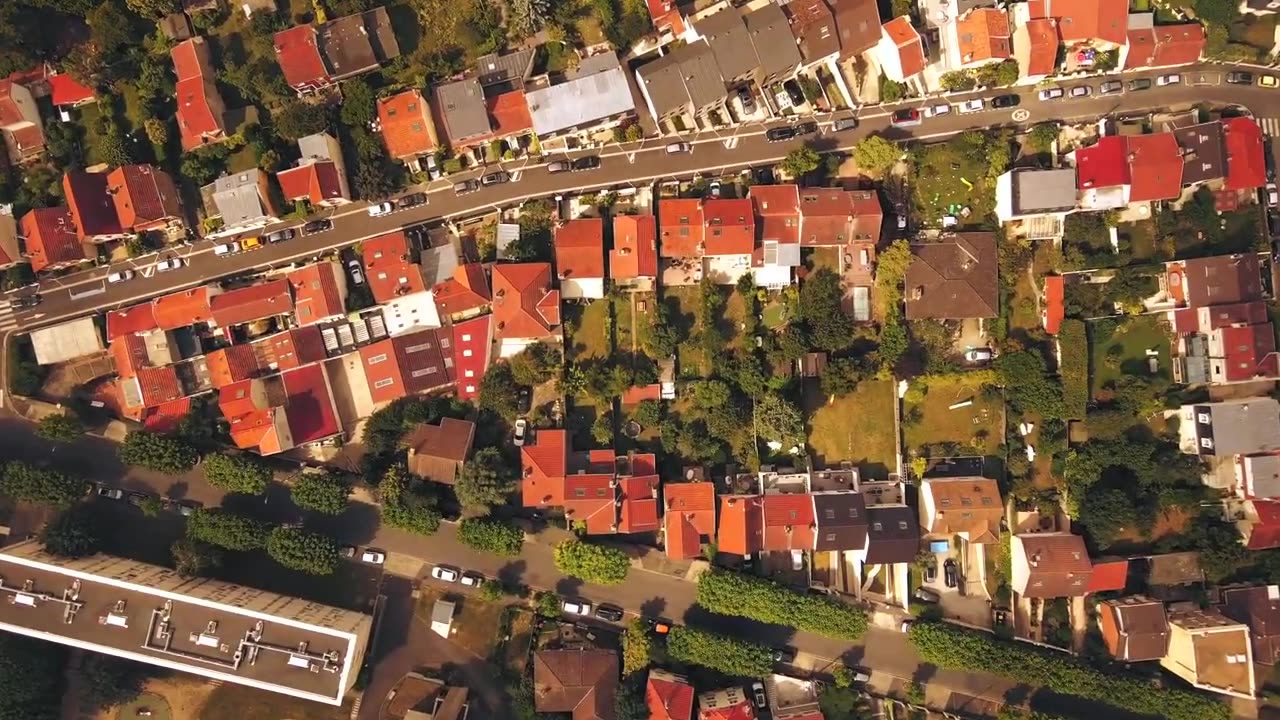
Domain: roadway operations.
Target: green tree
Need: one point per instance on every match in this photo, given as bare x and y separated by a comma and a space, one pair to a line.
32, 484
499, 392
891, 91
648, 413
323, 492
777, 419
153, 451
876, 155
636, 647
491, 535
194, 559
63, 142
298, 119
404, 509
958, 80
240, 473
226, 529
664, 335
113, 146
358, 101
820, 309
842, 703
485, 481
72, 533
31, 675
1042, 136
151, 506
593, 563
536, 364
548, 605
762, 600
157, 131
108, 681
722, 653
1027, 385
153, 8
842, 376
300, 549
801, 161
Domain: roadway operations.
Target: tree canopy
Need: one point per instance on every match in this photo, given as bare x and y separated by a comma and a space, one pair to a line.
241, 473
485, 482
491, 535
875, 154
60, 427
109, 680
723, 653
154, 451
72, 533
226, 529
590, 562
31, 673
300, 549
28, 483
801, 161
194, 559
405, 509
763, 600
323, 492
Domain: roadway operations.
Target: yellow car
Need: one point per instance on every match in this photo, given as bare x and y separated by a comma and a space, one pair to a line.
1268, 81
252, 243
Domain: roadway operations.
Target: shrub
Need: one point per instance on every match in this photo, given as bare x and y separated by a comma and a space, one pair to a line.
304, 550
237, 473
60, 427
731, 593
226, 529
726, 654
322, 492
491, 535
154, 451
1074, 369
593, 563
403, 509
32, 484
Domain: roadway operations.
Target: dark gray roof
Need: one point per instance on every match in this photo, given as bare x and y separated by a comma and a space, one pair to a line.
702, 78
592, 64
663, 85
438, 264
893, 535
730, 42
842, 520
514, 67
1042, 191
461, 103
1203, 152
686, 74
775, 45
356, 43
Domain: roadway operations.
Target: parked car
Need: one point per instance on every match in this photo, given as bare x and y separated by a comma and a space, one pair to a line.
780, 134
758, 696
171, 263
577, 607
925, 595
861, 675
497, 177
906, 117
1240, 78
136, 498
110, 493
951, 573
472, 579
794, 93
1170, 79
227, 248
432, 166
713, 188
590, 162
937, 110
444, 574
931, 572
1053, 93
120, 276
747, 100
373, 557
658, 625
187, 508
251, 243
558, 166
785, 655
347, 551
466, 187
380, 209
1268, 81
1110, 87
521, 432
978, 355
610, 613
411, 200
317, 226
807, 128
1139, 84
1273, 197
281, 235
972, 106
1001, 102
1080, 91
524, 399
679, 148
845, 124
357, 274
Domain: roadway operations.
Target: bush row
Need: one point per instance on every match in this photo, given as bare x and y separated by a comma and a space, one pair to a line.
730, 593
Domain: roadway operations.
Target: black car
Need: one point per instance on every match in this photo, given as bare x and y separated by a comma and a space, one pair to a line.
411, 200
609, 612
931, 572
785, 655
23, 302
1005, 101
466, 186
591, 162
951, 573
780, 134
794, 93
806, 128
748, 102
925, 595
317, 226
1139, 84
1240, 78
524, 400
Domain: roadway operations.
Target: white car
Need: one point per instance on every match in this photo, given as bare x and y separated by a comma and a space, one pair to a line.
1080, 91
1053, 93
356, 275
120, 276
373, 557
973, 106
937, 110
522, 432
757, 694
382, 208
444, 574
1173, 79
679, 148
576, 607
168, 264
227, 248
1273, 196
471, 579
107, 491
978, 355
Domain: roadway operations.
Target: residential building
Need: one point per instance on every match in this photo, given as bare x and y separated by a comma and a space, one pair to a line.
682, 228
472, 347
526, 307
775, 46
462, 108
583, 683
1231, 427
729, 238
312, 415
201, 110
1246, 160
1257, 477
777, 208
10, 250
242, 201
1214, 281
814, 27
314, 57
979, 36
900, 50
741, 530
893, 535
93, 211
1049, 565
144, 196
600, 491
1153, 46
319, 292
407, 128
579, 247
633, 261
320, 176
966, 507
726, 33
585, 104
437, 452
1259, 524
858, 24
832, 217
789, 522
248, 304
1041, 199
256, 416
49, 235
842, 521
793, 698
408, 364
1134, 628
1257, 606
292, 348
232, 364
139, 612
1097, 24
689, 515
1035, 47
504, 72
953, 278
686, 83
66, 92
389, 267
668, 696
417, 697
1211, 652
728, 704
20, 123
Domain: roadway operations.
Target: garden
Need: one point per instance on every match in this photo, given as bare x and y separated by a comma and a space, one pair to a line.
1126, 347
953, 415
957, 178
859, 427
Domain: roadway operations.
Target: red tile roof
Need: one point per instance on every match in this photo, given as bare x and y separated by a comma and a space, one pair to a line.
1246, 165
389, 269
1103, 164
635, 248
1043, 56
317, 292
1250, 352
199, 104
509, 114
680, 221
1155, 167
184, 308
467, 290
731, 226
789, 522
639, 510
1265, 533
579, 246
130, 353
690, 513
255, 302
158, 385
145, 197
64, 90
1080, 20
984, 35
741, 529
544, 464
299, 57
636, 395
408, 364
10, 112
51, 238
1164, 45
406, 124
680, 538
590, 499
293, 348
317, 182
166, 417
130, 321
237, 399
92, 210
666, 15
256, 430
831, 216
472, 340
524, 303
1054, 309
668, 698
778, 207
910, 48
311, 414
1108, 576
231, 364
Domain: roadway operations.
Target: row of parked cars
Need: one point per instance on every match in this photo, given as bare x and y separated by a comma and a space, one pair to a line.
182, 507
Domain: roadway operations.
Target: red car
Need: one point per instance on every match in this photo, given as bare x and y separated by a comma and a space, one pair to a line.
907, 117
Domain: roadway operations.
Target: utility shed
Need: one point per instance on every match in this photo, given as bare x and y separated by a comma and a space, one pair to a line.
442, 618
67, 341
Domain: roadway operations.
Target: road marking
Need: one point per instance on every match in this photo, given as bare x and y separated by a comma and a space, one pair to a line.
1021, 115
1270, 126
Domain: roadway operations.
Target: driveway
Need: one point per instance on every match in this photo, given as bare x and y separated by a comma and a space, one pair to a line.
960, 603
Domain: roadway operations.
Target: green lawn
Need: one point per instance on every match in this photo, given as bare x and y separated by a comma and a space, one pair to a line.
976, 428
590, 339
824, 257
857, 427
685, 300
237, 702
1134, 336
939, 184
1141, 237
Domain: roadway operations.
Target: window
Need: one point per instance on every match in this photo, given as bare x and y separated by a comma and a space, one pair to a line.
580, 492
853, 512
902, 524
419, 373
471, 388
418, 348
377, 359
384, 383
466, 337
945, 502
830, 513
1204, 418
1206, 443
416, 126
986, 501
469, 373
877, 527
966, 501
466, 353
831, 537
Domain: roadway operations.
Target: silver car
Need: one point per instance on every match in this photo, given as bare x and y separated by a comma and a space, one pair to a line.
1111, 87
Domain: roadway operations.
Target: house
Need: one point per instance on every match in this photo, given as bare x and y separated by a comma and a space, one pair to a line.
1155, 167
145, 198
242, 201
777, 208
741, 530
407, 128
893, 535
93, 211
20, 123
319, 292
10, 250
775, 46
1246, 164
582, 683
727, 704
184, 308
201, 110
686, 82
292, 348
789, 522
408, 364
793, 698
1257, 606
579, 246
633, 261
689, 514
1134, 628
49, 235
600, 491
965, 507
311, 413
151, 386
464, 293
900, 50
254, 302
1050, 565
979, 36
1260, 524
316, 57
591, 102
505, 70
66, 92
832, 217
1211, 652
389, 267
858, 24
728, 238
1152, 46
726, 33
953, 278
1257, 477
320, 176
637, 497
472, 343
232, 364
417, 697
438, 452
1054, 309
1035, 47
1109, 575
1214, 281
1100, 24
526, 308
1230, 427
814, 27
1030, 194
256, 416
682, 227
462, 108
668, 696
842, 521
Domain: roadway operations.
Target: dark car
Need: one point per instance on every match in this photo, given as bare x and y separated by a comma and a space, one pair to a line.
524, 400
794, 92
905, 117
495, 178
590, 162
806, 128
137, 498
784, 654
951, 573
780, 134
411, 200
23, 302
931, 572
844, 124
317, 226
925, 595
1005, 101
609, 612
1240, 78
1139, 84
466, 186
748, 102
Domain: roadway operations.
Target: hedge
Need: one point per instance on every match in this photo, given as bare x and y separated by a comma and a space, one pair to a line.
489, 535
730, 593
1073, 343
593, 563
952, 647
726, 654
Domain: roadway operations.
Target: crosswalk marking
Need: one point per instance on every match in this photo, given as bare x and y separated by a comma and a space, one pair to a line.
1270, 126
7, 320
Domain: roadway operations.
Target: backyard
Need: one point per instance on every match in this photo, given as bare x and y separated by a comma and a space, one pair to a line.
474, 619
1198, 230
590, 338
956, 178
1121, 347
858, 427
684, 300
237, 702
933, 426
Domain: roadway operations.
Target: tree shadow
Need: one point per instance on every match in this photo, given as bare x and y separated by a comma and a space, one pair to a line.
511, 575
653, 607
568, 587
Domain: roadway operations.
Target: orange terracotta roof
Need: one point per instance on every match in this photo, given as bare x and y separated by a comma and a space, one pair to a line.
145, 197
1081, 20
1155, 167
680, 221
639, 511
1109, 576
903, 34
524, 303
741, 529
509, 114
1043, 57
130, 353
317, 182
406, 124
984, 35
778, 207
697, 500
166, 417
389, 269
468, 289
544, 464
158, 385
237, 399
1054, 309
731, 226
590, 499
635, 247
680, 538
579, 246
184, 308
130, 321
317, 294
51, 239
231, 364
789, 522
255, 302
668, 697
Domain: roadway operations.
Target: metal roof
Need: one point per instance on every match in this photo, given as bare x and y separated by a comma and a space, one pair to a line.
236, 198
462, 104
581, 101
